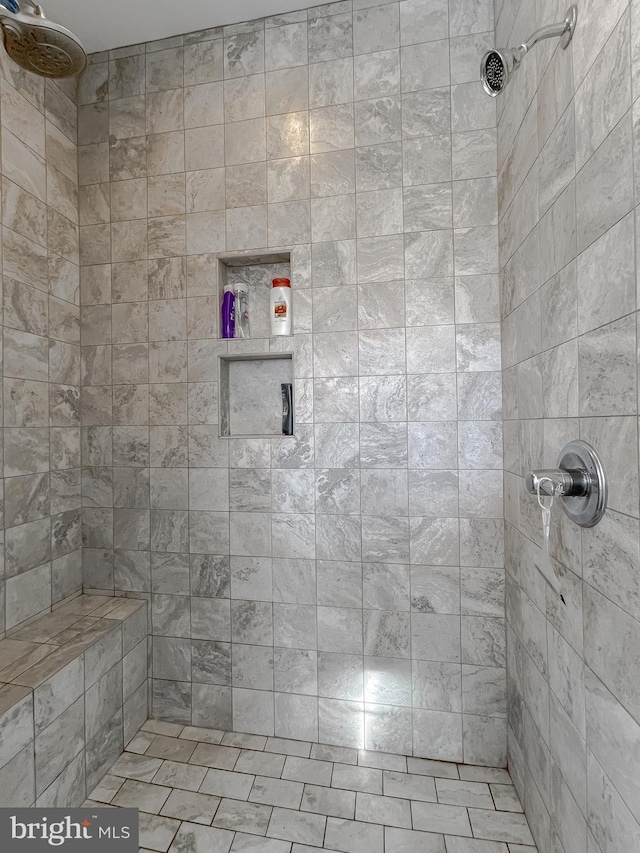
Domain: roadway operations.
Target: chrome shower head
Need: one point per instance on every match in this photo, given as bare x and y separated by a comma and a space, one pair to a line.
39, 45
498, 65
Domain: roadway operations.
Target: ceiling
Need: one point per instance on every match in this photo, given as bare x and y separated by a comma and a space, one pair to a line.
115, 23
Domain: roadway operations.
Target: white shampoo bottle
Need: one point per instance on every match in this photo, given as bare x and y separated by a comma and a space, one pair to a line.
281, 305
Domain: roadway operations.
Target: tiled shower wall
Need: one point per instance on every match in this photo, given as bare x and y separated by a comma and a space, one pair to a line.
346, 584
41, 329
568, 153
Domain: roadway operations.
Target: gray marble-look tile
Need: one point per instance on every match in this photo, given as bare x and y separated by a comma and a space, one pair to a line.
605, 176
379, 213
436, 686
380, 259
383, 445
340, 676
379, 166
611, 342
425, 65
427, 161
330, 37
597, 113
386, 633
383, 398
376, 74
596, 307
426, 113
607, 811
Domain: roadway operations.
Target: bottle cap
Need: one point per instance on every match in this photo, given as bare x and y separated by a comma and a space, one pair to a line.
242, 288
229, 288
281, 282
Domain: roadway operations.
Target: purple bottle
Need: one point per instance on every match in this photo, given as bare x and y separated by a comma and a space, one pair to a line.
228, 312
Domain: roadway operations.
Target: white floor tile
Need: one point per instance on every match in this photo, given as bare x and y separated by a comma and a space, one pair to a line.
224, 783
473, 845
283, 746
329, 801
307, 770
175, 774
136, 767
260, 763
107, 789
159, 727
381, 760
433, 817
188, 805
506, 798
140, 742
210, 755
276, 792
389, 811
201, 839
304, 848
409, 785
171, 748
203, 735
244, 741
156, 833
237, 793
141, 795
426, 767
500, 826
461, 793
341, 754
243, 817
353, 778
302, 827
410, 841
243, 843
484, 774
352, 836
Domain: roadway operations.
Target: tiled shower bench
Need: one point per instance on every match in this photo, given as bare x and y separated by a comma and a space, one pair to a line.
73, 691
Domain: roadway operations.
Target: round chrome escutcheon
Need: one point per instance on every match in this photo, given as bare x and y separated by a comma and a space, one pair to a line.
585, 510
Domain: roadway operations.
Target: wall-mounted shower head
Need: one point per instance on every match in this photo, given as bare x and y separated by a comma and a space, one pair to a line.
39, 45
497, 67
499, 64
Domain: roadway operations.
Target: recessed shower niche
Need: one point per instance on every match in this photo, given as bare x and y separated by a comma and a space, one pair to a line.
252, 374
251, 396
257, 272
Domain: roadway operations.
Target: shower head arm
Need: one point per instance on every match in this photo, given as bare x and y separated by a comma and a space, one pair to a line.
563, 30
550, 32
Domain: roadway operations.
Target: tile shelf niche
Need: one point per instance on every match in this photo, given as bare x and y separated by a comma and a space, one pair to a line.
251, 374
250, 394
257, 271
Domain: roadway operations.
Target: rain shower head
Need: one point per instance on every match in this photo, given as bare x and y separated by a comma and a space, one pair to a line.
39, 45
499, 64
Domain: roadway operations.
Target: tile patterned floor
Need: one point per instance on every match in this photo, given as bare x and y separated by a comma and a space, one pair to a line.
207, 791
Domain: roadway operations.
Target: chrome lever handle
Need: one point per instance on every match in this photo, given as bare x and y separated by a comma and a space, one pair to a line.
558, 482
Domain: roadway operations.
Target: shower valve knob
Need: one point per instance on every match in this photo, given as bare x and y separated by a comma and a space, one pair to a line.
557, 482
579, 482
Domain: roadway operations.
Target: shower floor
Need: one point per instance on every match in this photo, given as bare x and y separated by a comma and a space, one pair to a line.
207, 791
